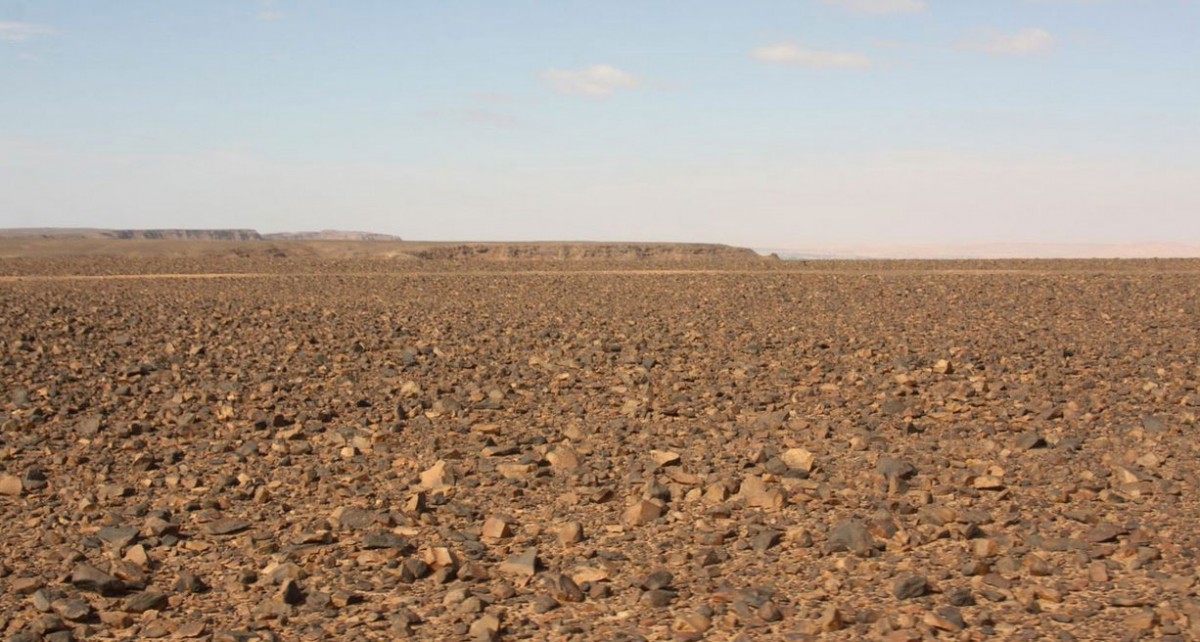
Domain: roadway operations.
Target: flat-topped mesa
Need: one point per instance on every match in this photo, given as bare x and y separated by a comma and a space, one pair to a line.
330, 235
586, 251
186, 235
89, 233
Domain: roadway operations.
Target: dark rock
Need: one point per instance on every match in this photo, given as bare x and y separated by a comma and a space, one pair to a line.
89, 578
146, 601
850, 536
909, 587
225, 526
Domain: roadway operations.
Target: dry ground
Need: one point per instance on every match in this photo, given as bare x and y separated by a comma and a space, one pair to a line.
377, 449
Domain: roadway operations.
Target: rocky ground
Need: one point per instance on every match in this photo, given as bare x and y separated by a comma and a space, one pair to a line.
889, 453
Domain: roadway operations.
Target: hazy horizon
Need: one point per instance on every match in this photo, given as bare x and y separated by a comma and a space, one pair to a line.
864, 123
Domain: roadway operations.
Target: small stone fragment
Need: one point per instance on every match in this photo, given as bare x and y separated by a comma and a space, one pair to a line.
664, 458
11, 485
485, 629
831, 620
523, 564
1030, 440
946, 618
89, 578
496, 528
909, 587
851, 536
798, 459
563, 458
989, 482
438, 476
73, 609
145, 601
225, 526
569, 533
290, 593
643, 511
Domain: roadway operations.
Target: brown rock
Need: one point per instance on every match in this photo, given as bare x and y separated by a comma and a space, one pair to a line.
643, 511
563, 458
437, 477
798, 459
524, 563
496, 528
11, 485
569, 533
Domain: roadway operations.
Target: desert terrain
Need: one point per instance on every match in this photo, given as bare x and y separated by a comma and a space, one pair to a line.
310, 440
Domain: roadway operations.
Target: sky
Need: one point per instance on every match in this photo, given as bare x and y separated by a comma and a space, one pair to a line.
759, 123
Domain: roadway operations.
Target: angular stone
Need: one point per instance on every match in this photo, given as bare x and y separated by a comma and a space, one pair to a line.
798, 459
851, 536
291, 593
1102, 533
89, 578
892, 468
989, 482
830, 621
658, 598
946, 618
524, 564
516, 471
759, 495
119, 537
692, 622
569, 533
664, 458
145, 601
485, 629
1030, 440
496, 528
643, 511
73, 609
225, 526
909, 587
11, 485
658, 579
384, 539
564, 588
563, 458
438, 476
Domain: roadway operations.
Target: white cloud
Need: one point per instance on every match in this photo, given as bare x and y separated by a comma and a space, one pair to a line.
793, 54
597, 81
22, 31
880, 7
1026, 42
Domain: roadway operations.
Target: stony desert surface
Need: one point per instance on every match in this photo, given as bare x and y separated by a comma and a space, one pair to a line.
286, 446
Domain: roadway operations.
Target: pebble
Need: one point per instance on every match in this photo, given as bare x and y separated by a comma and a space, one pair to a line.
11, 485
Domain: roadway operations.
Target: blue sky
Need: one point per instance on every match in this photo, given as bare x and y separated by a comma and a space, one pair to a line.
763, 123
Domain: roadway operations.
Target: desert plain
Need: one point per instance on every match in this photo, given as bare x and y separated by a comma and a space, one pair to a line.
300, 441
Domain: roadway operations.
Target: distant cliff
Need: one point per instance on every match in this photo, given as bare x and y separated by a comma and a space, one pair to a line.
339, 245
583, 251
188, 235
330, 235
128, 235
